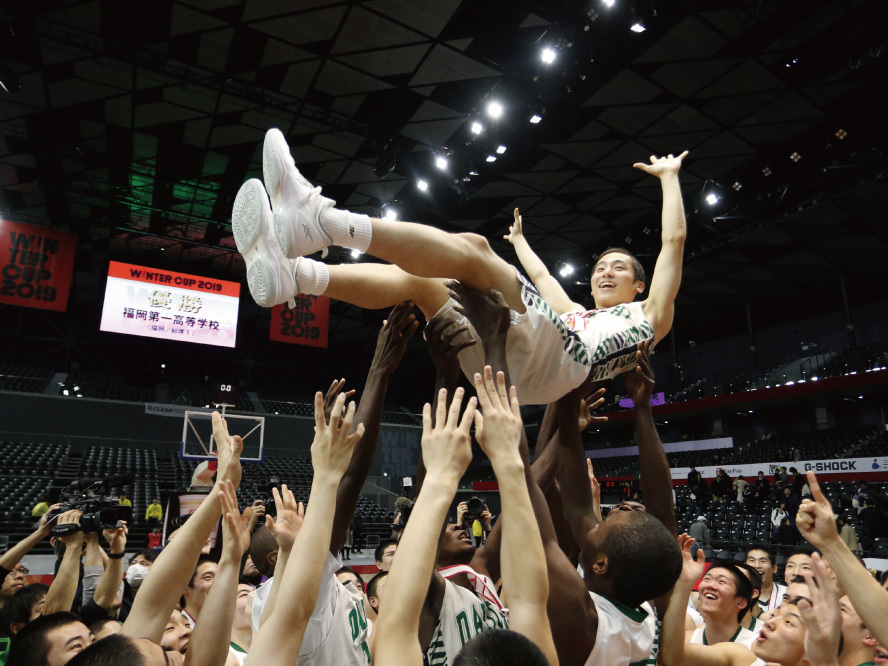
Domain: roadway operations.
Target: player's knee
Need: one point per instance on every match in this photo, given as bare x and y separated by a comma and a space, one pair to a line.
477, 246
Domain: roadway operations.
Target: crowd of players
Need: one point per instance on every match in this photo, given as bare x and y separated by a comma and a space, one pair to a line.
554, 582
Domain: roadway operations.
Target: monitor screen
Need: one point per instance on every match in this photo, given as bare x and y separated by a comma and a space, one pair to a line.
157, 303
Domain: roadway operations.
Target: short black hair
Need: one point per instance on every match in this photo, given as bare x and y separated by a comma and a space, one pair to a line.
111, 651
262, 542
203, 557
643, 557
497, 647
755, 578
18, 606
380, 549
147, 553
742, 586
371, 586
765, 548
637, 268
29, 647
97, 626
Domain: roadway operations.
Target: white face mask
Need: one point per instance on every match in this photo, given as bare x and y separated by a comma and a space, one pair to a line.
136, 574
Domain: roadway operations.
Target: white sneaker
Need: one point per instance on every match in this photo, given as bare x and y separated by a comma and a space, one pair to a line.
296, 204
271, 277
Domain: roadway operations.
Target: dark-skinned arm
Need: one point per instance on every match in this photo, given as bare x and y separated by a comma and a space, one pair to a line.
390, 345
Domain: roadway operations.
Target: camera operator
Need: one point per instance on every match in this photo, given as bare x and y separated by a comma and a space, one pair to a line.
475, 518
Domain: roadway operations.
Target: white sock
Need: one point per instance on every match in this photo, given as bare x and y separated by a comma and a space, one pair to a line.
312, 277
347, 229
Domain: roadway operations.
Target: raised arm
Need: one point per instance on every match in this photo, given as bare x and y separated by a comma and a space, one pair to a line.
576, 496
447, 450
659, 308
211, 638
817, 523
280, 636
60, 596
174, 566
498, 430
390, 345
551, 291
655, 475
284, 527
14, 555
106, 590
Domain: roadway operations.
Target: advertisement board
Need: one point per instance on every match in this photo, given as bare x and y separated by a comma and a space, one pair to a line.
35, 266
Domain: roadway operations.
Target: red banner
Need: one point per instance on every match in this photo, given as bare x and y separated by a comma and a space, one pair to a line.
35, 266
306, 324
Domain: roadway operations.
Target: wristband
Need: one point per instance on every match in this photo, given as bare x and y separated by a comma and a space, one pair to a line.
116, 556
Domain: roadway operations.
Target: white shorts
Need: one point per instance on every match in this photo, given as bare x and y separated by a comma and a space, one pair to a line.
546, 358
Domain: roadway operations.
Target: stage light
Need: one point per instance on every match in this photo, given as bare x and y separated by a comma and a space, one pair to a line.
391, 214
473, 173
441, 162
548, 56
638, 27
608, 3
566, 270
737, 186
422, 185
356, 253
841, 134
500, 150
494, 109
163, 366
76, 388
66, 392
491, 158
795, 157
535, 119
814, 378
79, 395
712, 199
477, 128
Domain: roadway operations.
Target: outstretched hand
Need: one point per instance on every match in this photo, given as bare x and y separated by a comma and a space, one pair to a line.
393, 338
331, 394
332, 447
447, 445
691, 570
516, 229
285, 526
441, 335
640, 382
588, 405
488, 312
815, 519
822, 615
228, 451
235, 525
662, 165
498, 424
116, 537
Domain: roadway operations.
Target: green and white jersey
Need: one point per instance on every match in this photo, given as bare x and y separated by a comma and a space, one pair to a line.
743, 636
626, 636
463, 615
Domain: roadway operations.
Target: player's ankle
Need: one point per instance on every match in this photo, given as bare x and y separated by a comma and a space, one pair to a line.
312, 277
347, 229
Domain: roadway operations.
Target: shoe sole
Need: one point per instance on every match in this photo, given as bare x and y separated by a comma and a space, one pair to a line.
247, 219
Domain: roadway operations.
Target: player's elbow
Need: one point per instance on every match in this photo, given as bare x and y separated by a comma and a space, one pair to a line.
675, 238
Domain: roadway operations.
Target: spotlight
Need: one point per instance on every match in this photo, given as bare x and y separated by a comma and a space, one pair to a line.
356, 253
535, 119
491, 158
566, 270
391, 214
608, 3
76, 388
638, 27
163, 366
477, 128
422, 185
737, 185
494, 109
500, 150
712, 199
841, 134
547, 55
795, 157
66, 392
441, 162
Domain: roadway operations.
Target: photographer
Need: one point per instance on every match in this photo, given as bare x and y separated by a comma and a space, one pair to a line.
475, 518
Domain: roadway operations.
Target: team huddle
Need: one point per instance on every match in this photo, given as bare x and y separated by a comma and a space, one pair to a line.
557, 580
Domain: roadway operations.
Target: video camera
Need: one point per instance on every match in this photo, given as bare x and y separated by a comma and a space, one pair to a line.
101, 511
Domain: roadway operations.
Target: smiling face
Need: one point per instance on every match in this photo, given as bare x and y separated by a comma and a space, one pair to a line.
177, 633
196, 593
782, 639
796, 565
613, 280
760, 560
718, 593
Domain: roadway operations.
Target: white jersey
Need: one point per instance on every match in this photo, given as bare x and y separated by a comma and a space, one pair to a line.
337, 632
550, 355
238, 653
463, 615
743, 636
626, 636
773, 600
695, 614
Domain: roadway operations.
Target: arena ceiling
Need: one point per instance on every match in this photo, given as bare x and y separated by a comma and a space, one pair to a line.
133, 124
